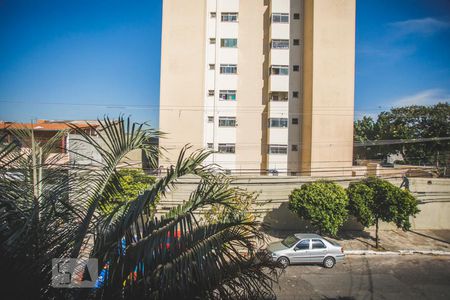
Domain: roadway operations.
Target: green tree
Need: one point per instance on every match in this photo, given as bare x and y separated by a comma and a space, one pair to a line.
373, 199
174, 256
240, 207
323, 203
366, 130
408, 123
133, 182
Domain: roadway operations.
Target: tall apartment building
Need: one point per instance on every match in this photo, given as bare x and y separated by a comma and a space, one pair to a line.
267, 84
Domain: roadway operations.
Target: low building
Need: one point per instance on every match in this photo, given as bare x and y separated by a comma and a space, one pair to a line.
45, 130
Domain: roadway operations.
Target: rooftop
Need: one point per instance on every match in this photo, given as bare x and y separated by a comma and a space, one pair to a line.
48, 125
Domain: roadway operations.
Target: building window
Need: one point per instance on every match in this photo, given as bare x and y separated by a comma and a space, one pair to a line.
296, 42
280, 44
213, 14
296, 68
279, 96
296, 16
227, 121
212, 66
229, 95
280, 18
294, 147
228, 69
210, 92
277, 149
279, 70
294, 121
227, 148
210, 146
210, 119
278, 122
295, 94
229, 17
228, 43
212, 41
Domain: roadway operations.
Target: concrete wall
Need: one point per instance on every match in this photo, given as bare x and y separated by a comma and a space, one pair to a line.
272, 202
182, 76
251, 84
328, 82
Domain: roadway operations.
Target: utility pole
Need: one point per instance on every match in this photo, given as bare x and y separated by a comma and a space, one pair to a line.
34, 166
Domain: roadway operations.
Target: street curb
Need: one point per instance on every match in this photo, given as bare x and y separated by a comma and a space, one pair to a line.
399, 252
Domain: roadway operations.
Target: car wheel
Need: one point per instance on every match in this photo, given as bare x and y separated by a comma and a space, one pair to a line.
284, 261
329, 262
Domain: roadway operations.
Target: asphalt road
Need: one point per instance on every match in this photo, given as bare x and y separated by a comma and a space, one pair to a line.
370, 277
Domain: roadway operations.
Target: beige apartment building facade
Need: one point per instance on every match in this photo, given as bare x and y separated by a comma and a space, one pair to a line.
267, 84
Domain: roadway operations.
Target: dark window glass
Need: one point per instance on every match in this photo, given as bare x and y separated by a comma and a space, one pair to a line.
279, 70
227, 122
228, 43
227, 95
229, 17
318, 244
278, 122
280, 18
303, 245
280, 44
296, 42
290, 241
277, 149
296, 68
295, 94
227, 148
294, 121
296, 16
228, 69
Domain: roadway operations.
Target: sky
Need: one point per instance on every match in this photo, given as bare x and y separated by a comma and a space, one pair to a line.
85, 59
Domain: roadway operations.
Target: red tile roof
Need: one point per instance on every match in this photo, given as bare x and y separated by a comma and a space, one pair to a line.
47, 125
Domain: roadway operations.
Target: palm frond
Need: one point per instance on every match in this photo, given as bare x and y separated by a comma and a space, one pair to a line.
113, 140
9, 152
171, 256
179, 255
124, 219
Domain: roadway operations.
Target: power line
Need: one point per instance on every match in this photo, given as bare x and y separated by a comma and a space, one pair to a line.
190, 107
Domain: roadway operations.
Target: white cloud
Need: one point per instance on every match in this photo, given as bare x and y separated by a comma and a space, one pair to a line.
425, 97
425, 26
385, 51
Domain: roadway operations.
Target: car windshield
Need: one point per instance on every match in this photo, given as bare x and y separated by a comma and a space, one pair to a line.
290, 241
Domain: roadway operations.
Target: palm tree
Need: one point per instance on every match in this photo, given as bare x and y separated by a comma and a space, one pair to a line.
178, 255
36, 219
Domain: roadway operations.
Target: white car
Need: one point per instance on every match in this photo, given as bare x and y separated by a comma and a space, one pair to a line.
306, 248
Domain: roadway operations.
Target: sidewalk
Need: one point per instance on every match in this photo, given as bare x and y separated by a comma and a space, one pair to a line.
391, 241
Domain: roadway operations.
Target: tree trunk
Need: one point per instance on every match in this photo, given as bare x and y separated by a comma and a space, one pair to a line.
376, 233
